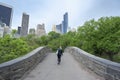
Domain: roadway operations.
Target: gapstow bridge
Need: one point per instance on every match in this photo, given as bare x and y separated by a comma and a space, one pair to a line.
76, 64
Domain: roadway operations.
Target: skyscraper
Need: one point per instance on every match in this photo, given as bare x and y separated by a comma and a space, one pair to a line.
6, 12
19, 30
40, 30
54, 28
65, 23
25, 24
7, 30
62, 28
59, 28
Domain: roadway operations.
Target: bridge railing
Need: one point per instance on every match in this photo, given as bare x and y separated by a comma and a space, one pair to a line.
15, 69
107, 69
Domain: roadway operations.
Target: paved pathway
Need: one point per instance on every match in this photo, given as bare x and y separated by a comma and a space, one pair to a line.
69, 69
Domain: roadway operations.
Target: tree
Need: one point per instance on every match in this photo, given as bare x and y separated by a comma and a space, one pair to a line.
101, 37
53, 35
14, 31
109, 28
43, 40
11, 48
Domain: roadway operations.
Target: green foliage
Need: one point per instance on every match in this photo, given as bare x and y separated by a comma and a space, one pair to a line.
14, 31
44, 40
53, 35
54, 44
53, 40
11, 48
56, 40
101, 37
31, 40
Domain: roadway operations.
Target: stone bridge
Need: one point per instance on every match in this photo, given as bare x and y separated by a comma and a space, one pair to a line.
76, 65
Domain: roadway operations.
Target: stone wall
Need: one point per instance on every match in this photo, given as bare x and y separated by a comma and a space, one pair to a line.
15, 69
107, 69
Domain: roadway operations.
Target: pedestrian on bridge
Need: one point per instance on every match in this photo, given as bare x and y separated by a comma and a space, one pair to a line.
59, 54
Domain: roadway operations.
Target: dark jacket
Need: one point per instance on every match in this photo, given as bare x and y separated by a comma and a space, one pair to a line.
60, 52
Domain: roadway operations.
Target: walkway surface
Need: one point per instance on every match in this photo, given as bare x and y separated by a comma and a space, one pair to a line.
69, 69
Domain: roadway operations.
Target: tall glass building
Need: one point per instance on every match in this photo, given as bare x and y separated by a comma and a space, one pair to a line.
6, 12
65, 23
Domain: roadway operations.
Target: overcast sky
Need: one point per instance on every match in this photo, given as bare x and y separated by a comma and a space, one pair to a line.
51, 11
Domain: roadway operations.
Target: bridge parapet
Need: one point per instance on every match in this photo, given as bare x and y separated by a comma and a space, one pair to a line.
107, 69
15, 69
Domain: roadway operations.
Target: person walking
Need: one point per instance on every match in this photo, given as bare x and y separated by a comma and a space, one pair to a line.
59, 54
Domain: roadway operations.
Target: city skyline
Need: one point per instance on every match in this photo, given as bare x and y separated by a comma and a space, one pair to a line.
43, 11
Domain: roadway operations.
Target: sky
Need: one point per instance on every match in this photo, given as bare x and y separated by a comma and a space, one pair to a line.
51, 12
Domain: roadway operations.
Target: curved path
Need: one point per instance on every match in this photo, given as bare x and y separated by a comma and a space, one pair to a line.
69, 69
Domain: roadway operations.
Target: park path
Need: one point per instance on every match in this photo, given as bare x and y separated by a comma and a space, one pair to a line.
69, 69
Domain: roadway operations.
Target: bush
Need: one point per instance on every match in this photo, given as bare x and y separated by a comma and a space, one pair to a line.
11, 48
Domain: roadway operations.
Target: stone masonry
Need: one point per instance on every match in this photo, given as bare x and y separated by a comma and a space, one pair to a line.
107, 69
17, 68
